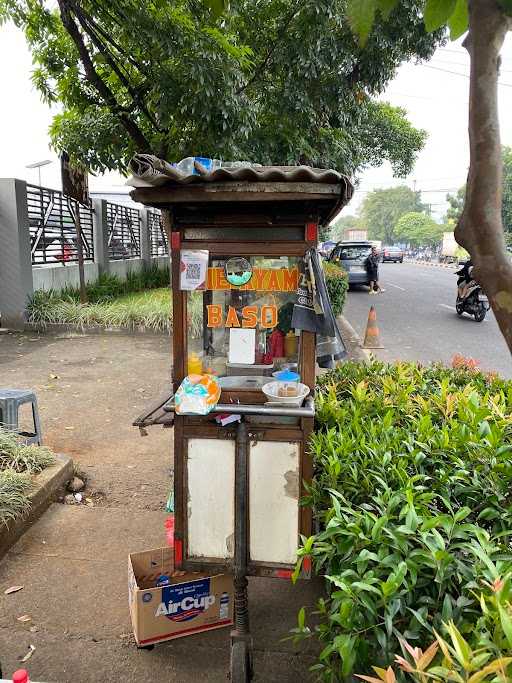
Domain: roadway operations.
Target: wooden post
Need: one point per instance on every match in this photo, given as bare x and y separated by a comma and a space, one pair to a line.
80, 254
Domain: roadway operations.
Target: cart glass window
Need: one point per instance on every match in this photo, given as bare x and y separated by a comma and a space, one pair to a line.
244, 331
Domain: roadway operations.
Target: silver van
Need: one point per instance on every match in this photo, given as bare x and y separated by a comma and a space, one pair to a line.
351, 256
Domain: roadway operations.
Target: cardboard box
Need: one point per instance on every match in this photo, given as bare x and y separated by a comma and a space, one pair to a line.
192, 603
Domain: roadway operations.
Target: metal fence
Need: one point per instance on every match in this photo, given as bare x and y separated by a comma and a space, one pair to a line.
53, 234
157, 235
123, 225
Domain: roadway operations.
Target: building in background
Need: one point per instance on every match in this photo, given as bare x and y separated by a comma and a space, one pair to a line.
355, 235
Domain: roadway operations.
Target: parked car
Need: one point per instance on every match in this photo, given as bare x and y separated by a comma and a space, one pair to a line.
117, 250
394, 254
325, 248
352, 256
53, 248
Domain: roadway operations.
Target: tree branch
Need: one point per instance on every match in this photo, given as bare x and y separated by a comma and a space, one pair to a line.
135, 95
109, 39
97, 82
263, 65
480, 228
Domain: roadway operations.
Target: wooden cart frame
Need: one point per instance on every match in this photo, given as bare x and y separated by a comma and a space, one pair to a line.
275, 216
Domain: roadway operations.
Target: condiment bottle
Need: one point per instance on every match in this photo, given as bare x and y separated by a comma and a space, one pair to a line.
194, 365
290, 344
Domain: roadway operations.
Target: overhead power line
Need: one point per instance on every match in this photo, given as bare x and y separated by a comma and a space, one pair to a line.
457, 73
439, 63
464, 53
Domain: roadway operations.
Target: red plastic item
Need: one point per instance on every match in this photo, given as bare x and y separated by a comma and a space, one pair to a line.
276, 344
311, 232
169, 525
20, 676
283, 573
178, 552
175, 240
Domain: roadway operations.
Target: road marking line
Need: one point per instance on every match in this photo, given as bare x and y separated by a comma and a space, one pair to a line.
452, 308
392, 285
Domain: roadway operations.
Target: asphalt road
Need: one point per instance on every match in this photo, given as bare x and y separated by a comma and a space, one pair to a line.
417, 319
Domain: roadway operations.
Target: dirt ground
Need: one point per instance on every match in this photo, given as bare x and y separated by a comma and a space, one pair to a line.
72, 562
90, 388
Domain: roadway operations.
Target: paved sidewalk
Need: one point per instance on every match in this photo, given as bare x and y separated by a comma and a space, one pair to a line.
72, 565
73, 562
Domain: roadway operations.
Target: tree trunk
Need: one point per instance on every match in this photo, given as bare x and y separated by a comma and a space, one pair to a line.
480, 228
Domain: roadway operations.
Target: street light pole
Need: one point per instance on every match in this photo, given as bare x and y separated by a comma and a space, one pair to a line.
38, 164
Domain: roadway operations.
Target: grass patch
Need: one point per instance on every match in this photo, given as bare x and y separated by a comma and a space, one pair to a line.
18, 463
14, 490
149, 310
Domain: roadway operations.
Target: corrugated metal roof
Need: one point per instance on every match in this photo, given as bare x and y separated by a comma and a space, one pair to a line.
149, 171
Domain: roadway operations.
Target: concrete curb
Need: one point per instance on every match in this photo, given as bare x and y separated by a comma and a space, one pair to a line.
65, 328
352, 341
46, 485
433, 264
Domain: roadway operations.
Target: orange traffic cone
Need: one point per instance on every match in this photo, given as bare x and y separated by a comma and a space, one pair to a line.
372, 335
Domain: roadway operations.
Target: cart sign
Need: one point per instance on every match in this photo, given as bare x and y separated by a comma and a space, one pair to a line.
193, 268
250, 316
262, 280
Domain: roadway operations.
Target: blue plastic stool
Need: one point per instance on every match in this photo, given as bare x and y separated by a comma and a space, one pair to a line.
10, 402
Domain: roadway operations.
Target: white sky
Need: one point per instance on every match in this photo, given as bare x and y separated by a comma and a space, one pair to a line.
435, 100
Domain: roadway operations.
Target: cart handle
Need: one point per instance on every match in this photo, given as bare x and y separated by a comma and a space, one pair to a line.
241, 409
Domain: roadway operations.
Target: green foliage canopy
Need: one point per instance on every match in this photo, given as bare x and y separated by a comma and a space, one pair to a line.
507, 189
275, 82
456, 201
382, 209
456, 204
418, 229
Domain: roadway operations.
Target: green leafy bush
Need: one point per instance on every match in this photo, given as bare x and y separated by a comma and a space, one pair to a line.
337, 284
109, 286
453, 658
412, 494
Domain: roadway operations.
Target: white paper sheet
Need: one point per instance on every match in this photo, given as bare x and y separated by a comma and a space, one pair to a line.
242, 346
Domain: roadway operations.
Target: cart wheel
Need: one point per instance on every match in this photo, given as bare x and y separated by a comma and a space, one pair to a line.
240, 663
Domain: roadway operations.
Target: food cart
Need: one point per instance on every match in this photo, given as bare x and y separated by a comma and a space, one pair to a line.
240, 471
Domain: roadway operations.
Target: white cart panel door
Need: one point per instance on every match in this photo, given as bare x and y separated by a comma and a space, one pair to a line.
274, 501
211, 484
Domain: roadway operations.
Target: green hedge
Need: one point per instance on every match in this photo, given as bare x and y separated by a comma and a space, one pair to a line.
109, 286
412, 494
337, 286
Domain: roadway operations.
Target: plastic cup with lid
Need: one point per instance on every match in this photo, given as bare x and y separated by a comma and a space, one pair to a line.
288, 383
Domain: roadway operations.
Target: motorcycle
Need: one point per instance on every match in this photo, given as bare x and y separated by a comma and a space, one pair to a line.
470, 296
